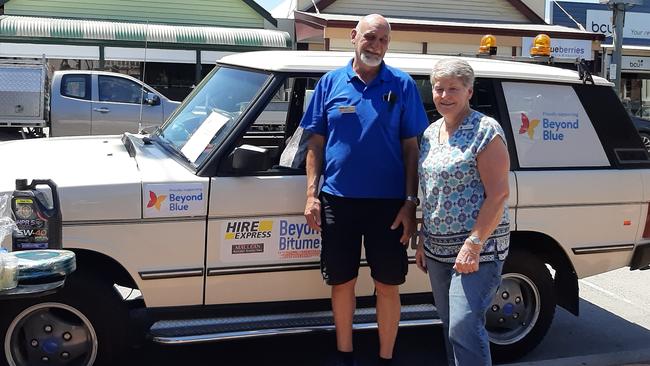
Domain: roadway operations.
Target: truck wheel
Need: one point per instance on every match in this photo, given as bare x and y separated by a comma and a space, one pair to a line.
523, 307
84, 324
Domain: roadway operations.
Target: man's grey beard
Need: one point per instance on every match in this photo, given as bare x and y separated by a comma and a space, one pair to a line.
370, 60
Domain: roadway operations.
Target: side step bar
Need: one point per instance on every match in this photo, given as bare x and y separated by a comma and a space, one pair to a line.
218, 329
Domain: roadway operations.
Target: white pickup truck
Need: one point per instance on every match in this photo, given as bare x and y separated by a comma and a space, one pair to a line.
204, 218
76, 102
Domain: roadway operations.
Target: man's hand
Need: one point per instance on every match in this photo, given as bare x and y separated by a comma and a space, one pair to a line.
406, 218
467, 260
312, 213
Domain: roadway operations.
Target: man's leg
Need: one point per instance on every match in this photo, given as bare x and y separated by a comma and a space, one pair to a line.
388, 314
343, 304
388, 267
340, 256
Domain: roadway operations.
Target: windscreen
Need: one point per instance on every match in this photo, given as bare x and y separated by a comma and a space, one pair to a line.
212, 111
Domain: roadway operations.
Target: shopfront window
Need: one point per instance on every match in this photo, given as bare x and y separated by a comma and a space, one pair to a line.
636, 95
173, 80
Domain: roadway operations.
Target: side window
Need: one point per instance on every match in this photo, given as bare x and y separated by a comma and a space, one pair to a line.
551, 127
275, 132
617, 132
426, 94
76, 86
483, 99
119, 90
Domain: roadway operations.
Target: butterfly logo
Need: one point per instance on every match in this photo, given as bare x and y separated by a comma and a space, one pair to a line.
155, 201
528, 126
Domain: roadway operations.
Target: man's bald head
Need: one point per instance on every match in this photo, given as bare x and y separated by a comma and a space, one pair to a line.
370, 39
372, 19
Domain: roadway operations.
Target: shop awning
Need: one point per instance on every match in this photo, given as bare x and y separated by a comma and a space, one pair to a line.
54, 29
310, 25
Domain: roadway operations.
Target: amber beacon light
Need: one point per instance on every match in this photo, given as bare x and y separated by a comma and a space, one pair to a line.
541, 46
488, 45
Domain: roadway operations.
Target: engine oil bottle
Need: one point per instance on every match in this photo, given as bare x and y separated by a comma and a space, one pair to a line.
38, 221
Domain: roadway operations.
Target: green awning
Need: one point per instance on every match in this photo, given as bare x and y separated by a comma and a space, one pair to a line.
77, 29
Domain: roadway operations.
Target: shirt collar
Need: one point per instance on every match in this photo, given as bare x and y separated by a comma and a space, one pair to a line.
384, 72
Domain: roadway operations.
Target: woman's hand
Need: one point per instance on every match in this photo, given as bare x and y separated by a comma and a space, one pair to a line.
467, 260
420, 258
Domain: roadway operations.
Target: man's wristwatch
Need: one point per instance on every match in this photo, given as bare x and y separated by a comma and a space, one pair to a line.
413, 199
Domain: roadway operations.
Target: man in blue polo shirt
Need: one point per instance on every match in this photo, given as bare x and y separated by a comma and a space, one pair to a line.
364, 119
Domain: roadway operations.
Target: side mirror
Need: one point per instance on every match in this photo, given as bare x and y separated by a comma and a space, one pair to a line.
249, 158
151, 99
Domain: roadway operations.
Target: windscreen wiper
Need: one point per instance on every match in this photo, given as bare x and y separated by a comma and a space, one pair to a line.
158, 136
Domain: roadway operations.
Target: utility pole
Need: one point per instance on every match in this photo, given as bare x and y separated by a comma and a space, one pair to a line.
619, 7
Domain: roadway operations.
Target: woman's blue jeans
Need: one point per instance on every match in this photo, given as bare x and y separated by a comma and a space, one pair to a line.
462, 300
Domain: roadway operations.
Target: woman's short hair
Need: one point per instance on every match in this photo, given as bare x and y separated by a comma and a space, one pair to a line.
453, 68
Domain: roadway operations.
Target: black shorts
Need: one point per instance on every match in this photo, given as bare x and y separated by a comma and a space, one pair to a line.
344, 223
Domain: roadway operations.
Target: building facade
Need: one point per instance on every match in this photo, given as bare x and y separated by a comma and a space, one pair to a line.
635, 68
440, 27
169, 45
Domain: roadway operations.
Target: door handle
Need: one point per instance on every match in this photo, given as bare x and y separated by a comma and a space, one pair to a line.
101, 110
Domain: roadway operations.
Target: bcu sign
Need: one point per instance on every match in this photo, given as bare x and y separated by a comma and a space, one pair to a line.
636, 24
635, 63
562, 48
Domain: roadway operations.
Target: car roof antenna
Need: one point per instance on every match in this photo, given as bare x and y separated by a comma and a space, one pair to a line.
583, 72
144, 72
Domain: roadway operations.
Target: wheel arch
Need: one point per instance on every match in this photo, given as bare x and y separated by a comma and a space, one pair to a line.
550, 251
103, 266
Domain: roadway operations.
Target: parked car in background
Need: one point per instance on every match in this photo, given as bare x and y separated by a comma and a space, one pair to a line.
643, 127
76, 102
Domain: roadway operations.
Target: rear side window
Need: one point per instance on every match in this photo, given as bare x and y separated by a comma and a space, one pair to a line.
483, 99
76, 86
551, 127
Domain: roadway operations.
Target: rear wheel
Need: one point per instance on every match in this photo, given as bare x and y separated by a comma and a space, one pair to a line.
84, 324
523, 307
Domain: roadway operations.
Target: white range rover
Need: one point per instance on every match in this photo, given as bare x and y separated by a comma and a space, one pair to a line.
204, 218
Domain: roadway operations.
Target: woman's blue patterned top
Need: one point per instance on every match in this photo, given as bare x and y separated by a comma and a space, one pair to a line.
453, 191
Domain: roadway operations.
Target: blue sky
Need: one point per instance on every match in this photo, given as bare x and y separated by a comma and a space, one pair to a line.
269, 4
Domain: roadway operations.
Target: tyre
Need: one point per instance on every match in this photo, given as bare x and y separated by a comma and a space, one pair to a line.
523, 307
83, 324
645, 138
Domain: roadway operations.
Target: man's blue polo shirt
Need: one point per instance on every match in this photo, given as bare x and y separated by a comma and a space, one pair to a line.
363, 127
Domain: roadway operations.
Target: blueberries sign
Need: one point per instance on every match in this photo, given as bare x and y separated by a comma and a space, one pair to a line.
563, 48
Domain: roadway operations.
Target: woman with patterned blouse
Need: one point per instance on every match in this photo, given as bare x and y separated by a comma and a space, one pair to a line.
463, 171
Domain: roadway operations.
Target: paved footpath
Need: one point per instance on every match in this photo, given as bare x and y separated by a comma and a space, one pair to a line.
613, 327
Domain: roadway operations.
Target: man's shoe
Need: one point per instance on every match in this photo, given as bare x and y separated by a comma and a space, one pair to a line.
345, 359
384, 361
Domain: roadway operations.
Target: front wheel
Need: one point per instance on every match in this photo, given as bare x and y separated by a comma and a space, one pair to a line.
523, 307
83, 324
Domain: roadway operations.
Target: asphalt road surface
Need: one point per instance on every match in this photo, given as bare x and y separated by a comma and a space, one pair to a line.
613, 329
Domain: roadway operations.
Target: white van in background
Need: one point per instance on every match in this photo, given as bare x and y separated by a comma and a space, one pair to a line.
203, 219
